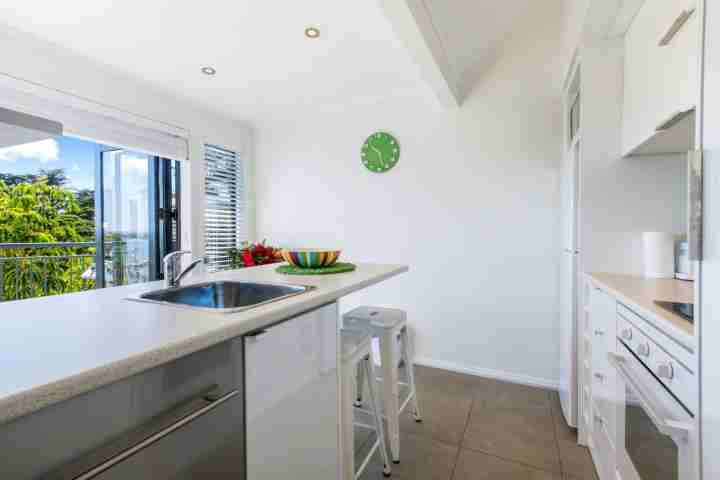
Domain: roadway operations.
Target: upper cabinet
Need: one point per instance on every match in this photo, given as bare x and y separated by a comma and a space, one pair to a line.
662, 78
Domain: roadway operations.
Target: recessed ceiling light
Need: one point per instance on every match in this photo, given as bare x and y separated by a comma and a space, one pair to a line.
312, 32
208, 70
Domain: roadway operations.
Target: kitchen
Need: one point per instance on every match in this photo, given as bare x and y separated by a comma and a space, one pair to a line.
484, 193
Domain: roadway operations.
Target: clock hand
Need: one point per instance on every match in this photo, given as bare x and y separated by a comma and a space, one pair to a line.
378, 152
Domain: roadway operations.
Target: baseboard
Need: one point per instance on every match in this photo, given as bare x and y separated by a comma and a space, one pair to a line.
488, 373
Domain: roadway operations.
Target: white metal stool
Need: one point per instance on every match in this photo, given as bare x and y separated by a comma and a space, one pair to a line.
357, 355
388, 325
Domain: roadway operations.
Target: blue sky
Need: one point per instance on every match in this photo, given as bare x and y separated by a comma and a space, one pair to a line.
76, 157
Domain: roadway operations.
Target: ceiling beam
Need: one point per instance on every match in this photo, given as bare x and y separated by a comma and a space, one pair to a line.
413, 25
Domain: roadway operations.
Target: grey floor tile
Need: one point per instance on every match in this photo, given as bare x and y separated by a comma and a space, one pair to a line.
473, 465
513, 396
512, 430
523, 435
433, 380
564, 433
444, 417
421, 458
576, 461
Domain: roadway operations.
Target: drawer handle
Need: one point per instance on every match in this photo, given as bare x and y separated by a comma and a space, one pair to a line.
599, 332
675, 27
626, 334
600, 376
599, 419
156, 437
643, 349
666, 371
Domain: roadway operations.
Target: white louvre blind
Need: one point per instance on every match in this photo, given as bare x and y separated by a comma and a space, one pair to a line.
225, 205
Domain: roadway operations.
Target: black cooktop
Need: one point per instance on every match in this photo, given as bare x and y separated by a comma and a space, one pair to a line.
685, 310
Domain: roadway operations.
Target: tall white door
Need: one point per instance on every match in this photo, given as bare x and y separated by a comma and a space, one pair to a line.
568, 387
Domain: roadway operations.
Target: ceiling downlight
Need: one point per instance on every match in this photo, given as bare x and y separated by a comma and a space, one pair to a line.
312, 32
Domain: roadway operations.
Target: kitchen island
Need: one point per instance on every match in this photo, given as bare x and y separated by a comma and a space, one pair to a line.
68, 349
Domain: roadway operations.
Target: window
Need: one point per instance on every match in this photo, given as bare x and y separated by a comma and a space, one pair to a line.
225, 205
77, 215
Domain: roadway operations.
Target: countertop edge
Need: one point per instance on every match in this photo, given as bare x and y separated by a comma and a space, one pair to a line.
31, 400
657, 321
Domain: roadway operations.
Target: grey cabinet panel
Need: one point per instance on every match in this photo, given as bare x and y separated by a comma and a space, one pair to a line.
210, 446
49, 442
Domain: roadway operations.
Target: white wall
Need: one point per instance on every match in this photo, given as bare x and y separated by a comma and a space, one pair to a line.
472, 207
62, 73
573, 20
620, 197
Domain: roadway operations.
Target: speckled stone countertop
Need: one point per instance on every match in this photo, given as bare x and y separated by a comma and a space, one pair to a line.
54, 348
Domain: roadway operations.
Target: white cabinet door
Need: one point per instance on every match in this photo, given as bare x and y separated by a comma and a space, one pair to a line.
659, 80
291, 387
603, 308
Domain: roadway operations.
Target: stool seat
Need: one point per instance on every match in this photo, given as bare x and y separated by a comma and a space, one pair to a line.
377, 318
353, 340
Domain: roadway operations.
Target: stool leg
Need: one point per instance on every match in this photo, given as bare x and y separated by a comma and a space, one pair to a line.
370, 376
348, 420
389, 363
410, 367
359, 381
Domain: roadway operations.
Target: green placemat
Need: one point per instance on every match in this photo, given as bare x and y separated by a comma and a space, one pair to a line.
337, 268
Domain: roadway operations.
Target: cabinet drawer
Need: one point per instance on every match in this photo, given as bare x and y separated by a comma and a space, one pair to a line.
603, 451
603, 394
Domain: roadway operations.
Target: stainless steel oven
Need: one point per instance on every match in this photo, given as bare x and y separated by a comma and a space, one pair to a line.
655, 427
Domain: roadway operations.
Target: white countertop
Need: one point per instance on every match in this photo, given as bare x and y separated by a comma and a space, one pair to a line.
55, 348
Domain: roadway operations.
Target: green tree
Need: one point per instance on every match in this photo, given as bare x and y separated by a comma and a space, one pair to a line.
41, 213
55, 177
86, 200
11, 179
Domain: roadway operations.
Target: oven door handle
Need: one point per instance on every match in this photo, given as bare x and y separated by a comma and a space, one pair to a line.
663, 420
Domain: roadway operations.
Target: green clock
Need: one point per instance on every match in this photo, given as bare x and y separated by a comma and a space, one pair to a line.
380, 152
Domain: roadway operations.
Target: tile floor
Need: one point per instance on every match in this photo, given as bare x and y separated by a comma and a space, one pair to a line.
476, 428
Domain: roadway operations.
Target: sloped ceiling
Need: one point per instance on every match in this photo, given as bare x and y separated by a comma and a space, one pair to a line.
473, 33
263, 60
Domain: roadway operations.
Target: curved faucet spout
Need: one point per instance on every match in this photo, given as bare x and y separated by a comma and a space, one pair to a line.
188, 269
171, 265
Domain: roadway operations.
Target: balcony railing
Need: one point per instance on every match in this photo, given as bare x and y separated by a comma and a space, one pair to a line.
38, 269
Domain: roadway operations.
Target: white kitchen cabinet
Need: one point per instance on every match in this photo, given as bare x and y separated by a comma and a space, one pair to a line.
602, 381
661, 81
292, 389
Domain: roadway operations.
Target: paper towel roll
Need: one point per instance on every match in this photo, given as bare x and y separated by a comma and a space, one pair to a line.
659, 254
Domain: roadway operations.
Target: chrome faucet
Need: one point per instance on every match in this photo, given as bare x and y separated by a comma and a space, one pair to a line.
171, 266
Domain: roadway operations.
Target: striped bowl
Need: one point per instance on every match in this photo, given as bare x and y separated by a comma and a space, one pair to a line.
311, 257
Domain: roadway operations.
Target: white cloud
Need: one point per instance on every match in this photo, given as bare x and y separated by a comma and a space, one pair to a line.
45, 151
75, 167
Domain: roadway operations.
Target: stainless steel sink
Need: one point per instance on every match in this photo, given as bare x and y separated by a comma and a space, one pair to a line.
223, 296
